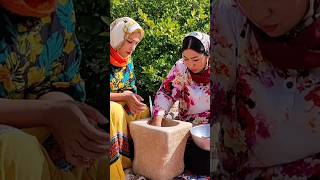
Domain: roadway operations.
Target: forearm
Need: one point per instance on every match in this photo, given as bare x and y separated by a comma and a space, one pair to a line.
118, 97
56, 96
25, 113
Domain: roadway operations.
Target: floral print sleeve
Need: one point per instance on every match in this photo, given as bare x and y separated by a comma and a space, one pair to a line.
122, 79
269, 117
169, 92
224, 56
194, 98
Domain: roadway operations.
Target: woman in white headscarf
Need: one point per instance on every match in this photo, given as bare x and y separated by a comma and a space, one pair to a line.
189, 83
125, 104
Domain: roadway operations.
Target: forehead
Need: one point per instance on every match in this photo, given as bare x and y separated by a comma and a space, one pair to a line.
189, 53
134, 36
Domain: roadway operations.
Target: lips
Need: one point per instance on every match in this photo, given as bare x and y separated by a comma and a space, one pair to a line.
269, 28
193, 70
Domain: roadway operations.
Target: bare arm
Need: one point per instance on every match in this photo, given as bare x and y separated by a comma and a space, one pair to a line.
118, 97
24, 113
134, 101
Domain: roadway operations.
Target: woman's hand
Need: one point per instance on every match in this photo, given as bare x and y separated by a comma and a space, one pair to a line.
134, 102
73, 129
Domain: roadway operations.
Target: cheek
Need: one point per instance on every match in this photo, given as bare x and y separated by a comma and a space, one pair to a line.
203, 65
290, 18
126, 47
123, 49
189, 65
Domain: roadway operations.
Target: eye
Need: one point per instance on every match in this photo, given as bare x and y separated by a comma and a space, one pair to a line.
129, 41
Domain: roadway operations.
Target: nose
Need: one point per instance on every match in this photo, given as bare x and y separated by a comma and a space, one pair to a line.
262, 11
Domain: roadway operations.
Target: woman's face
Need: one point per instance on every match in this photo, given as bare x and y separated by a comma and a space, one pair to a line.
275, 17
129, 44
195, 61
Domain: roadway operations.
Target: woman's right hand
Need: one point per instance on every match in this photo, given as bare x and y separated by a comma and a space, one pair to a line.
76, 135
134, 102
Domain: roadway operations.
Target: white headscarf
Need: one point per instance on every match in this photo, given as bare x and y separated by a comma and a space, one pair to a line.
204, 38
121, 28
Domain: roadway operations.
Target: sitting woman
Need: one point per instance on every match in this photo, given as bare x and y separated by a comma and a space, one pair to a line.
189, 83
125, 105
42, 94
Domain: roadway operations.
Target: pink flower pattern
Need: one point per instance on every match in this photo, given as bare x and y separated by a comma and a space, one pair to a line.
194, 98
269, 117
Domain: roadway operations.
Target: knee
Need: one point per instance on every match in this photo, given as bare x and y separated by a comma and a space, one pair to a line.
17, 145
116, 109
144, 114
17, 151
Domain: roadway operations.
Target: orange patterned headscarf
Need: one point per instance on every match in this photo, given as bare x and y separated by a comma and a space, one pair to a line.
32, 8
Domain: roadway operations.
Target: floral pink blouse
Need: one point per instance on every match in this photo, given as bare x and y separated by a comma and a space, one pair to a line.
194, 98
269, 118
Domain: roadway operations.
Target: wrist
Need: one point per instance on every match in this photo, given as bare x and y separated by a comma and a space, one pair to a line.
157, 118
126, 96
51, 109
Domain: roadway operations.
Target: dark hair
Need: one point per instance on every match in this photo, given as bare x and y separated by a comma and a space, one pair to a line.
193, 43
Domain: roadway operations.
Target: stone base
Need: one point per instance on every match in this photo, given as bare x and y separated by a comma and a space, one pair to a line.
159, 151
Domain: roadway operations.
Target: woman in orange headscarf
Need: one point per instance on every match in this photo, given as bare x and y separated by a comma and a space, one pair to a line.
126, 105
40, 86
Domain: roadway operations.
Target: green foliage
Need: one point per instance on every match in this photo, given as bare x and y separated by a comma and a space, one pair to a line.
165, 24
91, 33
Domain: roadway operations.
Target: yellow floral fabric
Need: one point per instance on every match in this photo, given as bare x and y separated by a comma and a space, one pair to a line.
38, 55
122, 79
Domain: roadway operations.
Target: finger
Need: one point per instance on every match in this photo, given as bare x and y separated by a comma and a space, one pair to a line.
94, 133
92, 113
73, 159
133, 110
137, 109
139, 97
138, 103
92, 145
88, 151
140, 106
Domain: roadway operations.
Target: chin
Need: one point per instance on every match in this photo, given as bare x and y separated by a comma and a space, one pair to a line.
274, 34
196, 71
277, 33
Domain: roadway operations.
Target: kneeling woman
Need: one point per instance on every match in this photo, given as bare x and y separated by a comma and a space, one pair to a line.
189, 83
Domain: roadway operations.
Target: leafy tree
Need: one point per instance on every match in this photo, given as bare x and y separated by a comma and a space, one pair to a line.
93, 37
165, 24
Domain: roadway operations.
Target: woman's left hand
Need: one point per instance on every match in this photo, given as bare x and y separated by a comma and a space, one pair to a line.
94, 116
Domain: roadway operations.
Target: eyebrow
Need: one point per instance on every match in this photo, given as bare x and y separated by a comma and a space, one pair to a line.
190, 58
130, 39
